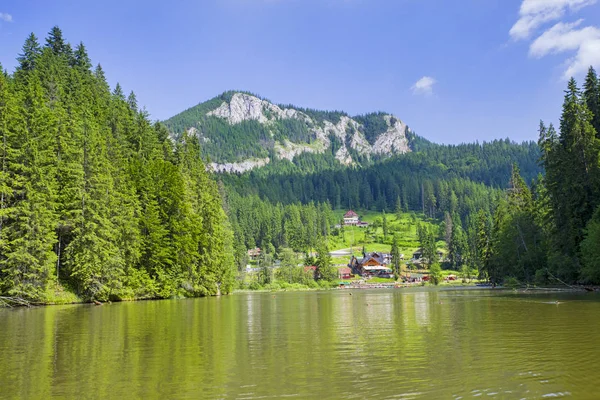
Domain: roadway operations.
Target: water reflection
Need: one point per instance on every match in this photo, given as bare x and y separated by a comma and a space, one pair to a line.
419, 343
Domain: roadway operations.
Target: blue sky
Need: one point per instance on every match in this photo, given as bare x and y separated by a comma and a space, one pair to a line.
454, 71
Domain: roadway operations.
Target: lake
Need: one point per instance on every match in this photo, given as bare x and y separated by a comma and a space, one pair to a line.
397, 344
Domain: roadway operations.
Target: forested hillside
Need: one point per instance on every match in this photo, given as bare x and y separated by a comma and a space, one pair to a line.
460, 185
96, 202
551, 231
428, 180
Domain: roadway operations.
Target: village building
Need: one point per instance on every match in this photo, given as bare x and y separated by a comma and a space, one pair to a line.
345, 273
375, 263
351, 218
254, 253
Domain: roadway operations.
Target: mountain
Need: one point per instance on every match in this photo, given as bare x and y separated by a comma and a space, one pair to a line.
240, 131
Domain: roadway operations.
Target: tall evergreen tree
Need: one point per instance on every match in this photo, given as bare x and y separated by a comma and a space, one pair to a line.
395, 253
591, 96
56, 42
31, 51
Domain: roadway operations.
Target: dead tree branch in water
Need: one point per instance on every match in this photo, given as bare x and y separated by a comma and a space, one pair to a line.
564, 283
14, 301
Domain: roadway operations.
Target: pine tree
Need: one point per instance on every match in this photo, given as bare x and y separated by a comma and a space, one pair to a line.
384, 225
94, 196
395, 252
325, 269
571, 161
398, 209
429, 246
27, 265
590, 251
591, 96
82, 60
31, 51
56, 43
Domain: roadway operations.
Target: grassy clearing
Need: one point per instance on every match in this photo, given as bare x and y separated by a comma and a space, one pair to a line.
372, 238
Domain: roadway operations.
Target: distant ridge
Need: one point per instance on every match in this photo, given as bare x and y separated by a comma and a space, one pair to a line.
241, 131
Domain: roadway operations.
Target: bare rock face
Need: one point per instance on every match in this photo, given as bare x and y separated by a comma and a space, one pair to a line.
242, 107
394, 140
349, 132
240, 167
343, 156
288, 150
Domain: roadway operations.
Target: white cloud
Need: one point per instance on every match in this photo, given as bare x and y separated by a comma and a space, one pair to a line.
5, 17
424, 85
564, 37
535, 13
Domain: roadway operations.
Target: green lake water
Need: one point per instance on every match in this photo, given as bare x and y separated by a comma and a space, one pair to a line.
396, 344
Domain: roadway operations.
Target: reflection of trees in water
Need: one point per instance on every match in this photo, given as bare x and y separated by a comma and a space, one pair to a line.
330, 343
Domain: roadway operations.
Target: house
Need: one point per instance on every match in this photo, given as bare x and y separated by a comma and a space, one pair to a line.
351, 218
254, 253
345, 273
372, 263
362, 224
415, 277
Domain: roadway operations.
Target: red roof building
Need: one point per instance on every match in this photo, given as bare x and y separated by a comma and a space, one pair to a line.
344, 273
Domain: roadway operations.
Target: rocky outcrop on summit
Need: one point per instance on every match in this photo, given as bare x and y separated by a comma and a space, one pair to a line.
244, 107
387, 136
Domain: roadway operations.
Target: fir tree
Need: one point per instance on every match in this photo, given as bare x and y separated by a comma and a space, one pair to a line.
591, 96
82, 60
55, 41
325, 270
395, 252
31, 51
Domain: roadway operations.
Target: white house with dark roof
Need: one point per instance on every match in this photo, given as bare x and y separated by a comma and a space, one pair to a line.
351, 218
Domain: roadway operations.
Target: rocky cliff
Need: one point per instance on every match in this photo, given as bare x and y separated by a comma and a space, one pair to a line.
257, 131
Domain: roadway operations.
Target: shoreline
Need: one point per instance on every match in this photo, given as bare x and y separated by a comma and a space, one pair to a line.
21, 303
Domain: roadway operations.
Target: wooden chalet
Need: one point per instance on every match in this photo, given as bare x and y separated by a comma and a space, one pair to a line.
371, 263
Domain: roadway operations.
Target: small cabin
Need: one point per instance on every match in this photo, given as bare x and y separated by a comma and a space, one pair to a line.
345, 273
